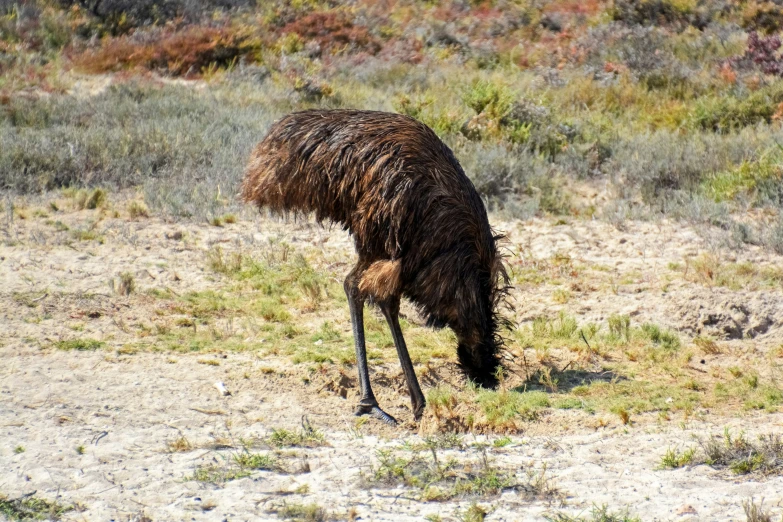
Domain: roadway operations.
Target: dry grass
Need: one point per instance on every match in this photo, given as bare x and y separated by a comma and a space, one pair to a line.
755, 512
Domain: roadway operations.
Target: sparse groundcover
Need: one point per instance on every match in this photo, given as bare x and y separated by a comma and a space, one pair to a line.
755, 512
307, 437
740, 455
617, 367
218, 474
302, 512
597, 514
435, 474
674, 458
711, 270
31, 507
743, 456
79, 344
239, 463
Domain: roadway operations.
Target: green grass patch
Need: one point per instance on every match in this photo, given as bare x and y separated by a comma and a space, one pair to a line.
501, 408
673, 458
216, 474
256, 461
30, 507
597, 514
437, 477
84, 344
307, 437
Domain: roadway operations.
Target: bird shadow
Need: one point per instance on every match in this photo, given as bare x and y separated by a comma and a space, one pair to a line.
566, 380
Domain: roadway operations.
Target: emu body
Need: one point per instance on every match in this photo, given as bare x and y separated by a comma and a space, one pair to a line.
420, 228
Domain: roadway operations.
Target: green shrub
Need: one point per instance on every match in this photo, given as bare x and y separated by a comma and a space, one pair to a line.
758, 181
726, 113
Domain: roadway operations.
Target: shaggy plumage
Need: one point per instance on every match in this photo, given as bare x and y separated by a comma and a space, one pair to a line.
419, 226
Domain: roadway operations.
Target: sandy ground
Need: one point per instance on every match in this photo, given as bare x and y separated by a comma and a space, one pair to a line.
124, 412
125, 409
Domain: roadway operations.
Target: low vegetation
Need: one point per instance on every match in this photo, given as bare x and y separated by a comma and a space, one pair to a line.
307, 437
302, 512
540, 99
673, 458
742, 456
435, 474
597, 514
31, 507
79, 344
735, 453
756, 512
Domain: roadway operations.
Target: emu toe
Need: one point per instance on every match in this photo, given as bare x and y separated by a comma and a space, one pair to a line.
376, 412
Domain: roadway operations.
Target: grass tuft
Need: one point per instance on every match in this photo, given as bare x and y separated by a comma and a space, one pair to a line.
597, 514
673, 459
30, 507
302, 512
307, 437
755, 512
79, 344
257, 461
742, 456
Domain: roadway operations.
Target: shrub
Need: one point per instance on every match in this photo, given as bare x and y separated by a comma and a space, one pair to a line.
333, 32
532, 124
515, 179
762, 16
183, 146
488, 97
774, 236
137, 209
663, 12
759, 181
187, 52
116, 17
726, 113
761, 53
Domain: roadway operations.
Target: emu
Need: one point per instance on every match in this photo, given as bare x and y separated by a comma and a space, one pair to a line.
419, 227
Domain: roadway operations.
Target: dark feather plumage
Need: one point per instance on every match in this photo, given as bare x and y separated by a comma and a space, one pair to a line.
419, 226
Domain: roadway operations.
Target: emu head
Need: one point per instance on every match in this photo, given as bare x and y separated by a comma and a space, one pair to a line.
478, 332
479, 361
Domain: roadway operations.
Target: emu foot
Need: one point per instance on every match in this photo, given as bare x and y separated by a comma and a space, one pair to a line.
376, 412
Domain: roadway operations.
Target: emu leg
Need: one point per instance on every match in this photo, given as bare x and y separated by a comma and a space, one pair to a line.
367, 404
391, 311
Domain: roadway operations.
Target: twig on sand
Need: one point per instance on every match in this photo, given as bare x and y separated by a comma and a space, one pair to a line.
98, 437
209, 412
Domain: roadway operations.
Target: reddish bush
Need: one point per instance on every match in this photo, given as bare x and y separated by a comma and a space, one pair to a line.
180, 53
333, 32
762, 52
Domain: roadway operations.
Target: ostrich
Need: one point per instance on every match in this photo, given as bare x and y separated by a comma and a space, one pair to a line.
419, 227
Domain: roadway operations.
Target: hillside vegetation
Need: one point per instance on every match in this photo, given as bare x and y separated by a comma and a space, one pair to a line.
616, 110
